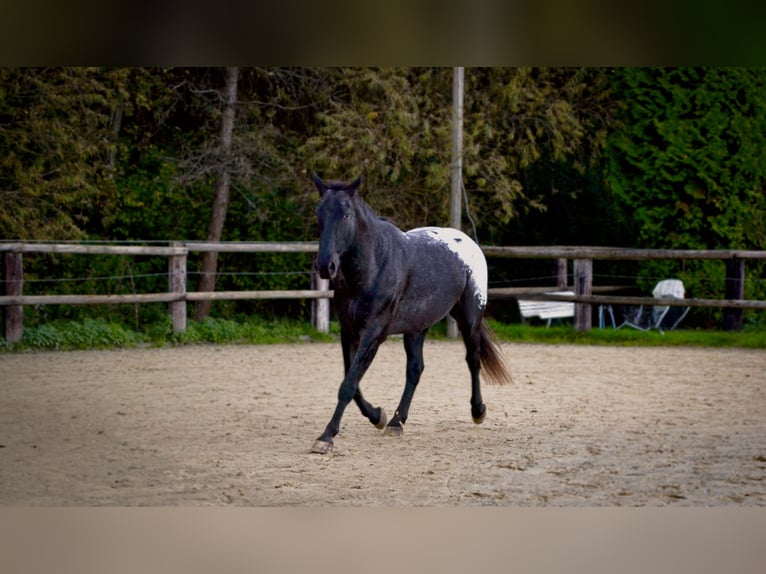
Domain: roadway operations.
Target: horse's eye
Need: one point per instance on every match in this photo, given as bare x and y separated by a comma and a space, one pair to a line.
347, 215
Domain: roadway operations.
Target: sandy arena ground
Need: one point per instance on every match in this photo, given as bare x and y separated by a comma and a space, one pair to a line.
220, 425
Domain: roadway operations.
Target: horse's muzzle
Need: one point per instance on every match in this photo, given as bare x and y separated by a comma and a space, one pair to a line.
328, 269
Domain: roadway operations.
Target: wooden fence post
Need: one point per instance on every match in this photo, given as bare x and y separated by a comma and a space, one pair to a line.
320, 308
14, 282
735, 289
560, 273
583, 284
177, 286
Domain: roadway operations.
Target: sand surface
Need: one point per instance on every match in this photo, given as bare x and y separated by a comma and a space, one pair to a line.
221, 425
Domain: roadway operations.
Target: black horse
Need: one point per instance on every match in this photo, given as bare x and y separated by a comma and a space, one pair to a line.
390, 282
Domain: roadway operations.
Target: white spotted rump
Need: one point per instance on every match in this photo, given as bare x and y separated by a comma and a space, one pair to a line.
466, 249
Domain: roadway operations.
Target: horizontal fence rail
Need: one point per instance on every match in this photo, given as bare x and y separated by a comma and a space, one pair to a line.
669, 302
162, 297
617, 253
256, 247
73, 248
584, 292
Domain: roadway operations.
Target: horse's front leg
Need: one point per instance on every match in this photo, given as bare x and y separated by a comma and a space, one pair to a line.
350, 344
376, 415
348, 390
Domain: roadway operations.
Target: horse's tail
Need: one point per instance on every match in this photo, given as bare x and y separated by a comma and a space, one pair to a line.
492, 361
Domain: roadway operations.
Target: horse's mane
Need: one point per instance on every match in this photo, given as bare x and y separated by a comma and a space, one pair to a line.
372, 214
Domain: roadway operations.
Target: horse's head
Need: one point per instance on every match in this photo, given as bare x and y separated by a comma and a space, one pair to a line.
337, 216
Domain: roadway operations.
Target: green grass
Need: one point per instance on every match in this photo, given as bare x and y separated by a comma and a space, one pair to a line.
87, 334
252, 331
102, 334
748, 338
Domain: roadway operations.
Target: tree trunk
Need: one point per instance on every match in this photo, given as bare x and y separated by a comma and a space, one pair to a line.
221, 198
116, 126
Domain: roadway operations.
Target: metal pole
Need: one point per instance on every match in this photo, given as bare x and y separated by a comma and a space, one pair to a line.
456, 171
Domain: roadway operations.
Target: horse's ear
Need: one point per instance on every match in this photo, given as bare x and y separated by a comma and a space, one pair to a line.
353, 186
319, 183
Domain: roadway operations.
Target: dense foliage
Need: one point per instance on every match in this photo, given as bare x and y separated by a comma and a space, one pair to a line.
688, 156
687, 161
631, 157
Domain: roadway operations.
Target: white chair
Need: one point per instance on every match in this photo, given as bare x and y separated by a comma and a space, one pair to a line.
547, 310
660, 317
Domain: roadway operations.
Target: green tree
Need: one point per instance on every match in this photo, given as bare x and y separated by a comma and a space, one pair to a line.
392, 126
686, 164
687, 159
56, 142
524, 128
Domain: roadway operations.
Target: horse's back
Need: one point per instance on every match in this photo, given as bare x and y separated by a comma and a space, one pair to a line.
468, 254
444, 264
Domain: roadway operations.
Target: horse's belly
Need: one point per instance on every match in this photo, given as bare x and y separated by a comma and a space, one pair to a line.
420, 308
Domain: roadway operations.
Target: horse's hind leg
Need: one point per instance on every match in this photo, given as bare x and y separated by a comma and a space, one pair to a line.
469, 319
413, 346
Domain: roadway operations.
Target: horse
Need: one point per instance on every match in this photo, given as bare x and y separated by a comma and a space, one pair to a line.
390, 282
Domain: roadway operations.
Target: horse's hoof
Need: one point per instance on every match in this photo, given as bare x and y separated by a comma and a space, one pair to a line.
480, 419
393, 431
322, 447
382, 420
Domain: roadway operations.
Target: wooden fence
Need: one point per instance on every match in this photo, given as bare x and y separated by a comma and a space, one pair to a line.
177, 295
583, 288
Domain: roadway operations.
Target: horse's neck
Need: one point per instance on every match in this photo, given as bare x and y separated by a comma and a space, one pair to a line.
372, 253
